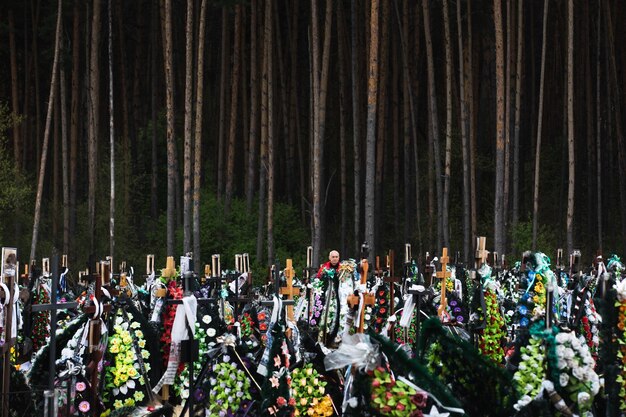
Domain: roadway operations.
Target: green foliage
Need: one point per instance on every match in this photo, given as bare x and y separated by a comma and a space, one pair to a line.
522, 238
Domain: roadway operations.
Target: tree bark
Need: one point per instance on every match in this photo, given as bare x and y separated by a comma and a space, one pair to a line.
539, 127
472, 120
372, 93
464, 141
111, 141
44, 150
168, 61
126, 146
433, 119
269, 39
154, 29
254, 105
518, 101
448, 153
570, 126
15, 105
499, 193
197, 166
188, 140
232, 131
223, 87
94, 119
381, 113
507, 127
75, 105
598, 130
343, 121
64, 164
356, 119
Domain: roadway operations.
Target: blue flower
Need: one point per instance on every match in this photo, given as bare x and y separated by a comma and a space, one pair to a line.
524, 322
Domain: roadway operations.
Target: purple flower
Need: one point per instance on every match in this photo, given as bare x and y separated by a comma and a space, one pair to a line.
199, 395
313, 322
460, 319
453, 303
457, 310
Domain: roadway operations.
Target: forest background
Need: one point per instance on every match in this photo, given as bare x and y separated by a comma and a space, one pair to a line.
263, 126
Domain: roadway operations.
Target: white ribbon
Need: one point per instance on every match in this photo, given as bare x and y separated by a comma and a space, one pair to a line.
7, 293
356, 350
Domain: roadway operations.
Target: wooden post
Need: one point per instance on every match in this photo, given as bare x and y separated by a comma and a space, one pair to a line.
481, 253
289, 290
444, 274
428, 270
392, 280
368, 298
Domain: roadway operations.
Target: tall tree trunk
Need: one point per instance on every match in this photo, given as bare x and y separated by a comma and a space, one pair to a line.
372, 94
448, 154
518, 101
254, 106
188, 140
612, 81
197, 165
35, 9
598, 130
64, 164
315, 142
434, 119
111, 141
464, 141
396, 138
539, 127
343, 121
507, 127
126, 146
294, 119
15, 105
270, 131
223, 87
472, 120
570, 126
232, 131
154, 25
589, 118
499, 193
44, 150
264, 140
356, 119
168, 60
94, 119
56, 132
382, 116
74, 122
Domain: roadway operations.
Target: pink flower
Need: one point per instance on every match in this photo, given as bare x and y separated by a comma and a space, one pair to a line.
375, 383
281, 401
81, 386
84, 406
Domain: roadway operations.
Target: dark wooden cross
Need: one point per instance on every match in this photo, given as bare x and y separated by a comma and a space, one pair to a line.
444, 274
428, 270
53, 307
392, 280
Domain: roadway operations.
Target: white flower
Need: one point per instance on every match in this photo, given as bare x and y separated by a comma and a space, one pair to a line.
561, 338
595, 384
578, 373
522, 366
563, 379
560, 350
583, 397
211, 332
525, 357
620, 287
207, 319
568, 353
525, 400
576, 343
561, 364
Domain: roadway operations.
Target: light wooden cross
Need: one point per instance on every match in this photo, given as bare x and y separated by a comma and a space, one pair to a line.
444, 274
289, 290
368, 298
481, 253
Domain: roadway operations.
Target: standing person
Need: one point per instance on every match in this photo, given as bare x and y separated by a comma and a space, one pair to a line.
328, 297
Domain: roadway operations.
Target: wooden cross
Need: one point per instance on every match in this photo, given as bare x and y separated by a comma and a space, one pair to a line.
428, 270
53, 307
378, 272
368, 298
444, 274
481, 253
392, 280
289, 290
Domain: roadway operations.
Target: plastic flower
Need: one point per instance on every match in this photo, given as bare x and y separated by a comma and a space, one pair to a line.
84, 406
81, 386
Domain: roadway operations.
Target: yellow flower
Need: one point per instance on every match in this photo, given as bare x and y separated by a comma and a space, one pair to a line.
145, 354
127, 340
114, 348
129, 402
132, 372
139, 334
118, 404
536, 298
138, 395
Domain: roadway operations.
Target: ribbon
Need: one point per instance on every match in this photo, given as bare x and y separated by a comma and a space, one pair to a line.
356, 350
276, 310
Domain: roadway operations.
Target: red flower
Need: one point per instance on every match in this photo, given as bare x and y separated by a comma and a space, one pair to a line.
281, 401
292, 401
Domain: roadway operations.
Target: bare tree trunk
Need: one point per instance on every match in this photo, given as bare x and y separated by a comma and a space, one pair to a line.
15, 105
472, 120
35, 20
570, 126
264, 140
434, 119
598, 130
507, 128
448, 154
270, 131
223, 87
64, 156
343, 120
56, 132
111, 142
44, 150
126, 146
232, 131
539, 126
197, 166
518, 101
464, 141
188, 140
381, 124
372, 93
254, 105
153, 104
168, 60
94, 119
294, 119
315, 142
356, 119
74, 121
396, 139
499, 193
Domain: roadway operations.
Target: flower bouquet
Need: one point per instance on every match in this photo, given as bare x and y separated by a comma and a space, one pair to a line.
309, 393
396, 398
